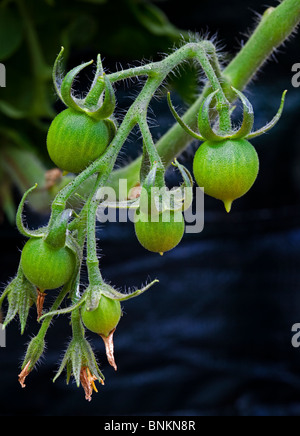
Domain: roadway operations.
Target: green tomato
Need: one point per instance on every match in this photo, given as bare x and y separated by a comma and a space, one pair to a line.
227, 169
159, 233
105, 318
75, 140
46, 267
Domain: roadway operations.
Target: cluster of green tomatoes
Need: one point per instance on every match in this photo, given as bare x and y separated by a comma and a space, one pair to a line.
225, 165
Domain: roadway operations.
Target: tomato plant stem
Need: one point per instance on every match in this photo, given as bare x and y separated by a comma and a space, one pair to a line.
275, 27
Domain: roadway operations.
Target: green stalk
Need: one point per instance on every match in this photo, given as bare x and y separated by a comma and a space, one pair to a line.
275, 27
92, 262
223, 106
156, 72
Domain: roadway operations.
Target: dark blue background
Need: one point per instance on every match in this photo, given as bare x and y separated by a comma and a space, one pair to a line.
214, 336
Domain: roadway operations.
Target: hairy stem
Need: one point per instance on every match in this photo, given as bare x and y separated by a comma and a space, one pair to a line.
275, 27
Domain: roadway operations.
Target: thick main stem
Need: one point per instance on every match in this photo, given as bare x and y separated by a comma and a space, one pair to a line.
275, 27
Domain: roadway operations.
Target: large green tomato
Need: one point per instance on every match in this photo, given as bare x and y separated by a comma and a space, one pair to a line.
75, 140
227, 169
105, 318
46, 267
159, 233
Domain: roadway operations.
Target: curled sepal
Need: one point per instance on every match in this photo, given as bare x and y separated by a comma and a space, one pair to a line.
95, 93
65, 311
109, 103
204, 123
248, 117
112, 293
272, 123
145, 165
34, 352
182, 196
21, 295
19, 219
150, 192
80, 361
56, 236
93, 295
57, 73
66, 87
185, 127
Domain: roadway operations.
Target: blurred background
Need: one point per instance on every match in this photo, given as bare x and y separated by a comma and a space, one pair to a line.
214, 336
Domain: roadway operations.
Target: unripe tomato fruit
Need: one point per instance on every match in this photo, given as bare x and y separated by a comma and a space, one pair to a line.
227, 169
46, 267
105, 318
156, 235
75, 140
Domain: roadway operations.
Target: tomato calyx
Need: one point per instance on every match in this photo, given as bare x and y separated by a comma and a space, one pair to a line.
21, 295
34, 352
208, 133
226, 165
99, 103
80, 362
156, 198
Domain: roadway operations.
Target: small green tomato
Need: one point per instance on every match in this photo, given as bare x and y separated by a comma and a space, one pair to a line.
105, 318
46, 267
159, 233
75, 140
226, 169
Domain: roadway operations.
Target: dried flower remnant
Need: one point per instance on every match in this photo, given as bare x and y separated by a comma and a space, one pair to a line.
24, 373
87, 380
110, 349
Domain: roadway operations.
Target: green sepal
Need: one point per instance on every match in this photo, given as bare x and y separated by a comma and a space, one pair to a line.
56, 236
112, 293
65, 311
204, 124
151, 192
93, 296
145, 165
39, 233
111, 127
272, 123
92, 99
21, 295
79, 354
109, 103
56, 74
66, 88
34, 352
182, 196
248, 117
180, 121
77, 360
